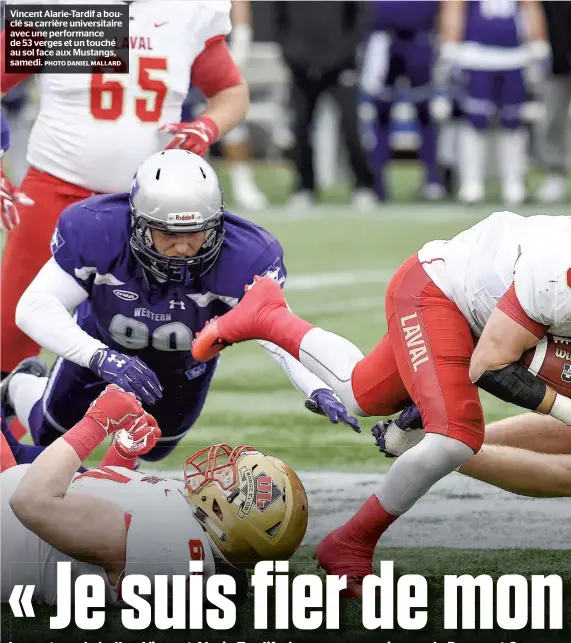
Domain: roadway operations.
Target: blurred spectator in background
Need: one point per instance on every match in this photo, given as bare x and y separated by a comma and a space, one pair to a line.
485, 38
236, 144
20, 111
319, 43
557, 101
400, 46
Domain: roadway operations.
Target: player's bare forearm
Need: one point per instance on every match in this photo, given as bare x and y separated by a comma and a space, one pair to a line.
83, 527
241, 13
520, 471
452, 19
503, 341
535, 18
532, 432
228, 107
495, 367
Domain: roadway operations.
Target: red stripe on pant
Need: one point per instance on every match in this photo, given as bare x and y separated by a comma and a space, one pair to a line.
427, 354
27, 250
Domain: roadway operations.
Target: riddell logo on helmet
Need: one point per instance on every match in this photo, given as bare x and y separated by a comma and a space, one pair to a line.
184, 217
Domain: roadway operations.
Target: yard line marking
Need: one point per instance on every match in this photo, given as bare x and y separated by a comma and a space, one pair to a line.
315, 280
343, 306
442, 213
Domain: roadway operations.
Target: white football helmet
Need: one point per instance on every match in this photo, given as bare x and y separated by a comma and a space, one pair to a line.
176, 191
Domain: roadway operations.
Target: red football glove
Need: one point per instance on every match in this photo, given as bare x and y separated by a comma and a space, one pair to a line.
10, 197
138, 440
196, 136
115, 410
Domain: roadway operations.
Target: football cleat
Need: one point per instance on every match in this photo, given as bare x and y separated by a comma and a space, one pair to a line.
514, 193
553, 189
207, 343
246, 321
471, 194
337, 555
29, 366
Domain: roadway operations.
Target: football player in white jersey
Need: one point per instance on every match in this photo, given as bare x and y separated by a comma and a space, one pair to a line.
94, 130
505, 281
235, 507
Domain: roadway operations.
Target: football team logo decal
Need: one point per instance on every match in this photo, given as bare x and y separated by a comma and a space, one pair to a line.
125, 295
266, 492
566, 373
56, 241
260, 491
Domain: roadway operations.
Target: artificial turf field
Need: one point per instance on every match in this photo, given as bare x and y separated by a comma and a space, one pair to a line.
339, 263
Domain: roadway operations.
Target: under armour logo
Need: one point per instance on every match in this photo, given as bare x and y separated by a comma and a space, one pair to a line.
113, 358
173, 304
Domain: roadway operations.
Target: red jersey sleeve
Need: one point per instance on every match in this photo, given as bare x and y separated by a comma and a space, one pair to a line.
214, 69
509, 304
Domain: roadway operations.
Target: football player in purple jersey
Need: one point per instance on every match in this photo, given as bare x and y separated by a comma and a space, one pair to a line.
144, 271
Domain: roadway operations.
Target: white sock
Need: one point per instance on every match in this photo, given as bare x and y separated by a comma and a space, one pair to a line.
471, 156
332, 358
448, 144
24, 391
512, 155
241, 173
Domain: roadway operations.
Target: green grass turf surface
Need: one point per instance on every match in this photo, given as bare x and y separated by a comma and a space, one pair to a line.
431, 563
341, 260
338, 262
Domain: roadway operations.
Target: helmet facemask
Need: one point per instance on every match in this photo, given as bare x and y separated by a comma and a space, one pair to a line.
176, 191
252, 506
175, 269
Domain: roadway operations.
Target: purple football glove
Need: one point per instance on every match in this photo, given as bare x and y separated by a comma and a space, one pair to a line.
324, 402
409, 421
409, 418
129, 373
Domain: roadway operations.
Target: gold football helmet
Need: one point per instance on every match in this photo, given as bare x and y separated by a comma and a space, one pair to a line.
253, 506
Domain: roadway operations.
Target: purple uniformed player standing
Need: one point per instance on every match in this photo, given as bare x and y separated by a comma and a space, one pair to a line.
498, 44
144, 272
399, 46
